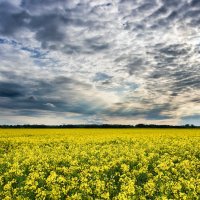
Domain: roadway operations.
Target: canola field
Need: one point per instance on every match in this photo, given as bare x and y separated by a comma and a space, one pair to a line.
99, 164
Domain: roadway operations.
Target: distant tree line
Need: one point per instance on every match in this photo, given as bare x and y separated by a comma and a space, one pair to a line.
99, 126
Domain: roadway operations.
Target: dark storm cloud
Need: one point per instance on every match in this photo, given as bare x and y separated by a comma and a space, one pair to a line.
136, 65
12, 18
49, 21
46, 95
11, 90
161, 111
47, 28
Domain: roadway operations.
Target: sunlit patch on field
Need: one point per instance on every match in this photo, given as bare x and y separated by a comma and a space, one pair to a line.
99, 163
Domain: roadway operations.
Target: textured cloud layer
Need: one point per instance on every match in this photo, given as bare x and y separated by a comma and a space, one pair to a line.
109, 61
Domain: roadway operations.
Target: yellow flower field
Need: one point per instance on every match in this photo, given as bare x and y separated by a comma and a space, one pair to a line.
100, 164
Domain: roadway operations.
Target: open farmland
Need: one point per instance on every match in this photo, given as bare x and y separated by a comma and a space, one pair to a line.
99, 163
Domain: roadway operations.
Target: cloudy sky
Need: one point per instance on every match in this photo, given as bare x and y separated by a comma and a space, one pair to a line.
99, 61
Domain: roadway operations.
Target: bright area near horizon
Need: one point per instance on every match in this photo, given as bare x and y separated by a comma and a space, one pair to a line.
109, 61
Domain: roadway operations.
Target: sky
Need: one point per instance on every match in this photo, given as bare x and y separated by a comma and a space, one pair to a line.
100, 61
